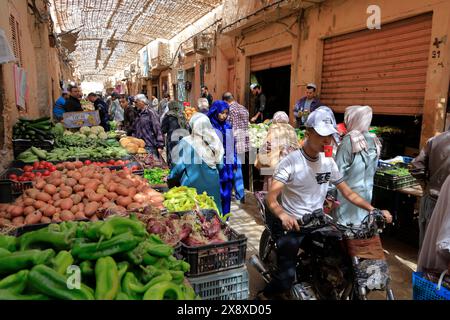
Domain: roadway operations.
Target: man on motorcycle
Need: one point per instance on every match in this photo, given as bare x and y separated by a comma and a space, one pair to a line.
301, 182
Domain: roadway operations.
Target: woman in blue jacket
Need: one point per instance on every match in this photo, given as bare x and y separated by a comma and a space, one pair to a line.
198, 158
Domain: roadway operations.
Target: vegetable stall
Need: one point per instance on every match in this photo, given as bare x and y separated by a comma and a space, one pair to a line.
96, 202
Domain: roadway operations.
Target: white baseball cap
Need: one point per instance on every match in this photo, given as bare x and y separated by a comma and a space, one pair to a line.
311, 85
321, 121
252, 86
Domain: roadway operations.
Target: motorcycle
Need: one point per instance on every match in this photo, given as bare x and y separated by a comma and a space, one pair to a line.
335, 262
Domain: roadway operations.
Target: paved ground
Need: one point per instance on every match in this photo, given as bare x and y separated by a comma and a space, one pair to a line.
402, 258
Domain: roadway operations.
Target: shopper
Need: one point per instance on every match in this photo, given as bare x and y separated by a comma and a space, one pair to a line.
203, 105
102, 109
434, 159
231, 173
164, 106
357, 160
280, 141
155, 104
239, 118
147, 126
173, 120
58, 108
301, 181
435, 251
306, 105
207, 95
260, 103
129, 115
73, 104
198, 159
116, 112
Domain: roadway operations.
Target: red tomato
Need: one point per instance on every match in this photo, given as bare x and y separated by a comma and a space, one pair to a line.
35, 165
87, 162
111, 162
119, 163
31, 175
13, 177
28, 168
46, 173
41, 167
127, 161
52, 168
38, 174
134, 168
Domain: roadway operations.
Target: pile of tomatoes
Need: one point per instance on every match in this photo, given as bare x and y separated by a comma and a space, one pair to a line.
37, 170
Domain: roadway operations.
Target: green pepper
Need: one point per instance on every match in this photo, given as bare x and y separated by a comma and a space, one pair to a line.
15, 283
177, 276
93, 251
62, 261
60, 240
49, 282
87, 270
149, 272
92, 230
20, 260
179, 265
8, 243
9, 295
148, 259
139, 288
4, 252
162, 263
188, 291
154, 238
160, 250
119, 225
128, 280
122, 296
165, 289
107, 279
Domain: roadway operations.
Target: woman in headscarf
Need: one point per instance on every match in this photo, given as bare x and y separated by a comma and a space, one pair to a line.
231, 173
280, 141
172, 121
147, 126
198, 158
357, 159
435, 252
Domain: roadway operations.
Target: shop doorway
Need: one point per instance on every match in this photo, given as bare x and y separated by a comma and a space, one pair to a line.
190, 85
276, 85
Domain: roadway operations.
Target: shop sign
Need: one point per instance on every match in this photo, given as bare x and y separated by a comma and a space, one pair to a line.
81, 119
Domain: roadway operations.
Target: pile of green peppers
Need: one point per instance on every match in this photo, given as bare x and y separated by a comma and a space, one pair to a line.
115, 259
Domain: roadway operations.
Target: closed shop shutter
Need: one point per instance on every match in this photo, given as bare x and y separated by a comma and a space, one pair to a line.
385, 69
272, 59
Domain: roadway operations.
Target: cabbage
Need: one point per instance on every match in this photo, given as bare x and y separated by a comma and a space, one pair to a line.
68, 133
97, 130
92, 136
103, 136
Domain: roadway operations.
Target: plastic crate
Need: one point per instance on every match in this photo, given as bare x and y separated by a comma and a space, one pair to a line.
394, 183
21, 145
212, 258
424, 289
10, 190
226, 285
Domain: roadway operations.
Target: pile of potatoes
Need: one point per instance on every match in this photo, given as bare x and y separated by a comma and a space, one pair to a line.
81, 193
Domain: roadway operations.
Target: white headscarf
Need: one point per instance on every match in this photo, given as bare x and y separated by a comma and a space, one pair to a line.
204, 140
358, 119
280, 117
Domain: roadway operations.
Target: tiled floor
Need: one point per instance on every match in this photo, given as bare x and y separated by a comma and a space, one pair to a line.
402, 258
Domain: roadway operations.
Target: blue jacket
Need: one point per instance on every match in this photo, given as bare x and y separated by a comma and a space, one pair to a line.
300, 106
191, 171
58, 109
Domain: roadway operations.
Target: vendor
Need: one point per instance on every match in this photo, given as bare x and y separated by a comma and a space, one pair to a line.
147, 126
281, 140
198, 159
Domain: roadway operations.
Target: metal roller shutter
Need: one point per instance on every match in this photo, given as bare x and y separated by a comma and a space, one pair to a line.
385, 69
272, 59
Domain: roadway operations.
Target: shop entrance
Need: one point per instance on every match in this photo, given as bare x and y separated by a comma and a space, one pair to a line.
276, 85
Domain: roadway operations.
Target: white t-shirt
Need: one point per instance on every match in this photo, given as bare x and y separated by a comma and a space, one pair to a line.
306, 181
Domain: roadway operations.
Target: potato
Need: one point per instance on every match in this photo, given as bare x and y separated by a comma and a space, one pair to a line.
56, 218
39, 204
66, 215
40, 184
81, 194
16, 211
33, 218
93, 184
127, 183
111, 195
132, 192
28, 210
78, 164
43, 197
84, 180
122, 191
71, 182
75, 198
50, 189
91, 208
18, 221
56, 197
94, 218
69, 166
45, 219
80, 216
124, 201
32, 193
48, 211
134, 206
74, 209
28, 201
95, 197
56, 174
56, 182
66, 204
78, 187
5, 222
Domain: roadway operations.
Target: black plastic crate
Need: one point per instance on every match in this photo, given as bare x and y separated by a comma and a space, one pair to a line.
21, 145
394, 183
212, 258
10, 190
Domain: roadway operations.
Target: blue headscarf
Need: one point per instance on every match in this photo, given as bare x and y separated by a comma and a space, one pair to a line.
225, 133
